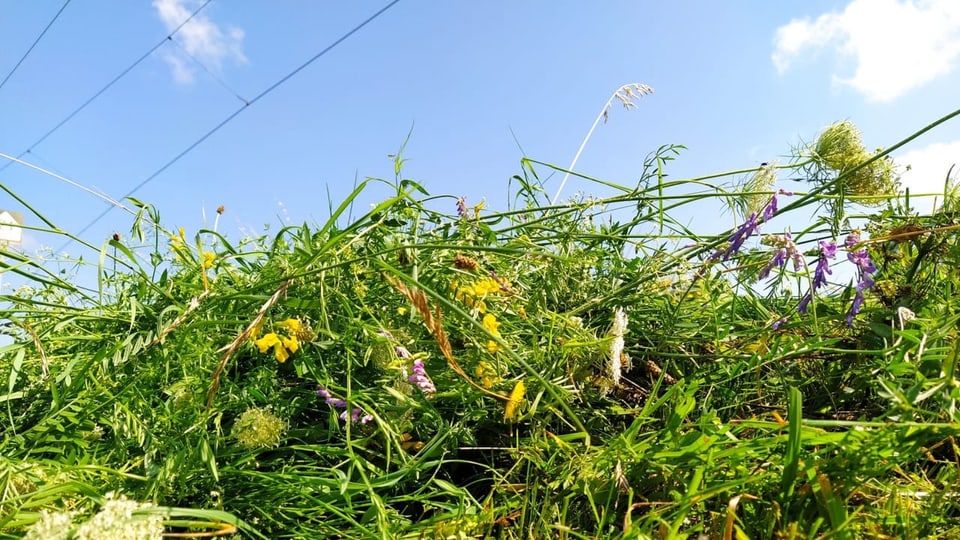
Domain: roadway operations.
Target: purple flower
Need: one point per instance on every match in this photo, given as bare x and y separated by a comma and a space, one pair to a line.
852, 240
770, 209
336, 403
355, 416
330, 400
737, 239
749, 227
462, 207
420, 378
828, 250
787, 249
778, 323
865, 270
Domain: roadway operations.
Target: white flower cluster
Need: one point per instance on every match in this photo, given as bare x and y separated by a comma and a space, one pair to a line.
617, 360
114, 521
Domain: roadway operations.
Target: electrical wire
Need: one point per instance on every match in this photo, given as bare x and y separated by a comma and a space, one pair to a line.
108, 85
233, 115
26, 54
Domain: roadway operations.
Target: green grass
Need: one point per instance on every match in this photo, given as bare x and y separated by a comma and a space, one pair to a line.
718, 411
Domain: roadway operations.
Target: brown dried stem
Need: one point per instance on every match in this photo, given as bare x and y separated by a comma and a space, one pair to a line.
243, 336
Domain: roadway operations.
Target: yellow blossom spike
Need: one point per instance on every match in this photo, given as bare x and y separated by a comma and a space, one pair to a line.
516, 396
208, 259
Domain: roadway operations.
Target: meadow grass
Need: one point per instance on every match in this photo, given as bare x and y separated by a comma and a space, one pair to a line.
434, 369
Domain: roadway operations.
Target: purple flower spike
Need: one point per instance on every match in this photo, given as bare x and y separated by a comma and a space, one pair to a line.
865, 270
737, 239
336, 403
420, 378
770, 209
828, 250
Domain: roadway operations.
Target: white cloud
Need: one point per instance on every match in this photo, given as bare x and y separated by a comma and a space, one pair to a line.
895, 45
201, 38
928, 171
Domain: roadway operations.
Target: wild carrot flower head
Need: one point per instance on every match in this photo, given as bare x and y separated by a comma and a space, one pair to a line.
115, 520
258, 428
840, 149
50, 526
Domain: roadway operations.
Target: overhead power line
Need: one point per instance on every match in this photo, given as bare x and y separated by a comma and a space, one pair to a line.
26, 54
233, 115
108, 85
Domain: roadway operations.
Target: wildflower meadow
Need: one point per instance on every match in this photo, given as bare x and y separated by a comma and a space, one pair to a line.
589, 367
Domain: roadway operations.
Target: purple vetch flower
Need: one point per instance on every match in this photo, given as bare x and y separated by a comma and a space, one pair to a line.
420, 378
737, 239
865, 270
355, 416
770, 209
828, 250
778, 323
462, 207
336, 403
786, 249
330, 400
748, 227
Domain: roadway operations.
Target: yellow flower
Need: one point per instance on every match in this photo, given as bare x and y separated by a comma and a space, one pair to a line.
280, 353
516, 396
290, 343
294, 325
279, 344
267, 341
487, 374
208, 259
493, 347
491, 324
401, 311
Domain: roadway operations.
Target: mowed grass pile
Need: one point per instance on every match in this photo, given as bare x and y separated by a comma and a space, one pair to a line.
438, 369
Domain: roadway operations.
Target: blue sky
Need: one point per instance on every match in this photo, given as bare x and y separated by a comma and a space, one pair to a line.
737, 82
